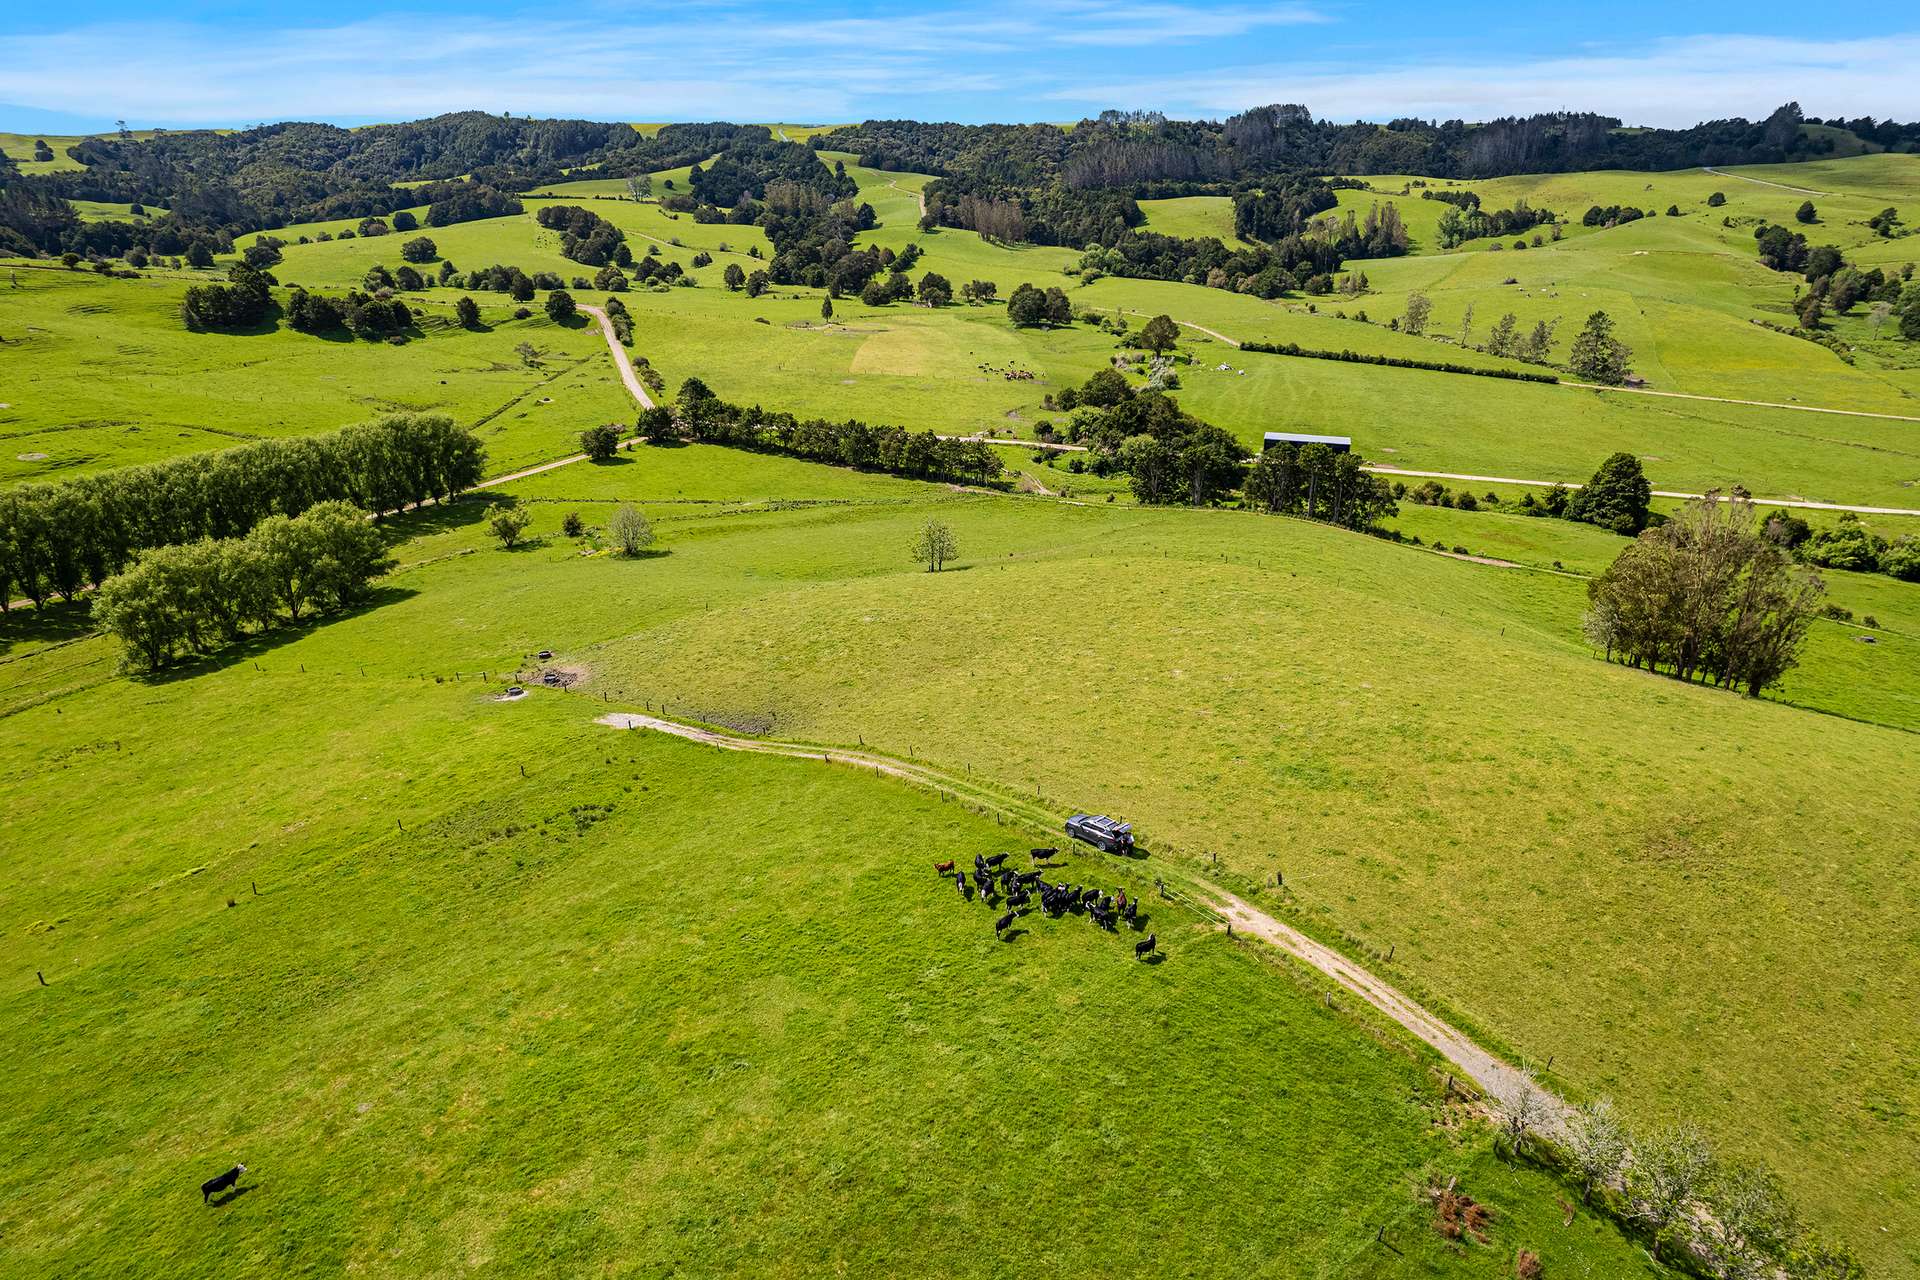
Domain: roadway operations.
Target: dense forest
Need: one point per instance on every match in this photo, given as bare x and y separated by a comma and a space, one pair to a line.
1043, 184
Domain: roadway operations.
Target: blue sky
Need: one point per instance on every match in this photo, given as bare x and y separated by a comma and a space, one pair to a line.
1670, 63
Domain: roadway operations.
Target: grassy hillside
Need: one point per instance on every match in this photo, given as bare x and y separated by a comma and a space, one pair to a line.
648, 1006
102, 373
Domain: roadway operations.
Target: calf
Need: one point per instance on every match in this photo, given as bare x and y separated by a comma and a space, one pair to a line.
1003, 924
221, 1182
944, 868
1146, 948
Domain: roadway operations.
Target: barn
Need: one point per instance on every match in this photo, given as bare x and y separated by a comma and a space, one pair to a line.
1339, 444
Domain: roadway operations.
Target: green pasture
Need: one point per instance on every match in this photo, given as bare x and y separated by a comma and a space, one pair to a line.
495, 986
1193, 218
1680, 896
101, 373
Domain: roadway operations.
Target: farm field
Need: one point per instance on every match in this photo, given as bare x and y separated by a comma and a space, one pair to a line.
101, 373
485, 929
737, 973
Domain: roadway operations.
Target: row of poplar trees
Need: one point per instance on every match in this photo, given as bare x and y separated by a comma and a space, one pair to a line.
59, 539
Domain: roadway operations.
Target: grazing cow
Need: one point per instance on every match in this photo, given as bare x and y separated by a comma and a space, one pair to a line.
996, 859
944, 868
1090, 897
1029, 877
220, 1182
960, 882
1003, 924
1145, 948
1038, 854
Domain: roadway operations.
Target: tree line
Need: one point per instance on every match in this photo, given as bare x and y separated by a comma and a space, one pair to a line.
194, 597
698, 414
58, 539
1393, 362
1835, 285
1705, 596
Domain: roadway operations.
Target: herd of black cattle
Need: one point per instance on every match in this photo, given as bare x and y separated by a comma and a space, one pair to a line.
996, 884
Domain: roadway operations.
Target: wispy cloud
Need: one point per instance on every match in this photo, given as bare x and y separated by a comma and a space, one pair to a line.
1668, 82
1001, 59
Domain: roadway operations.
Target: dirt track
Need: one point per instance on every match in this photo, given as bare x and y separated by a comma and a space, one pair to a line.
1499, 1079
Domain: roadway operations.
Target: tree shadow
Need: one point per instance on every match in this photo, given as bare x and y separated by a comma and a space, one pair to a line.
260, 644
622, 459
54, 622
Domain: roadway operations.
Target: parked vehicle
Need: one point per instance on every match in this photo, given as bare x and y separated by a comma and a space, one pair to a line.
1101, 832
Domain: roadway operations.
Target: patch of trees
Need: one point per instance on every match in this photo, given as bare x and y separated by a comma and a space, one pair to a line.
585, 236
361, 315
1316, 482
245, 300
746, 168
1848, 545
198, 596
1031, 308
1707, 597
697, 414
449, 203
1168, 455
1393, 362
1613, 215
1468, 221
1132, 150
62, 538
1834, 284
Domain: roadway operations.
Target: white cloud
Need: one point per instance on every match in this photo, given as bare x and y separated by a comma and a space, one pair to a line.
1669, 82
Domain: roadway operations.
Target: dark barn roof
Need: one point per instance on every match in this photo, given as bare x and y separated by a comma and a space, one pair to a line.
1339, 444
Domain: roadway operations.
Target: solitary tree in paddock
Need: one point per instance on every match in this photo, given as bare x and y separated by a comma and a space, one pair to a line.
629, 530
510, 526
935, 544
467, 311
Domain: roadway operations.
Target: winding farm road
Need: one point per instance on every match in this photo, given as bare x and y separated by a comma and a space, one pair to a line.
625, 365
1499, 1079
1805, 191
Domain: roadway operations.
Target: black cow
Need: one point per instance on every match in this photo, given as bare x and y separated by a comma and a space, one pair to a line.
1145, 948
1003, 924
979, 862
996, 859
1037, 854
1029, 877
221, 1182
1133, 913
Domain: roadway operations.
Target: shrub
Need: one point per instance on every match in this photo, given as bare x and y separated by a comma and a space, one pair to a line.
600, 443
629, 530
572, 525
510, 525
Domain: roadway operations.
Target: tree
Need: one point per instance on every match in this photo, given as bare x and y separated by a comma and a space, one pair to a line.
1668, 1171
979, 291
420, 249
935, 544
560, 306
629, 530
826, 308
935, 290
1809, 311
640, 186
1707, 595
1419, 309
1501, 339
509, 524
262, 254
757, 283
1027, 307
1597, 355
733, 277
347, 552
1597, 1141
467, 312
1806, 212
1160, 334
1617, 497
198, 255
1059, 309
1908, 309
1717, 199
600, 443
405, 221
